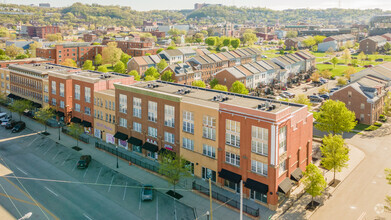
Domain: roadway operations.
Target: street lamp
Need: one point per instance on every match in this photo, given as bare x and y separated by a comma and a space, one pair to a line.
116, 149
207, 215
59, 130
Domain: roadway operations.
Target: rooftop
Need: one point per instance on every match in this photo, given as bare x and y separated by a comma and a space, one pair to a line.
36, 59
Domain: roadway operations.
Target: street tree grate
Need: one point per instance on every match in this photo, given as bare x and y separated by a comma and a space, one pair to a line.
76, 148
174, 194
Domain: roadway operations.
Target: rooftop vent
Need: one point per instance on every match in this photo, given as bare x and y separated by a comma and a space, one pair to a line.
152, 85
220, 98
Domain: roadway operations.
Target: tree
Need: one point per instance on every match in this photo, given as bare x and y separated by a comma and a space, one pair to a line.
69, 62
161, 65
159, 50
4, 57
167, 76
4, 32
309, 42
313, 181
119, 67
98, 60
211, 41
302, 99
335, 155
335, 118
315, 77
75, 130
330, 52
21, 56
249, 37
326, 74
213, 82
342, 81
151, 71
19, 106
33, 48
387, 46
238, 87
346, 55
135, 74
334, 61
148, 54
323, 90
2, 52
349, 71
361, 57
12, 50
388, 198
387, 104
125, 58
291, 34
44, 114
235, 43
149, 78
227, 42
220, 87
174, 168
111, 54
198, 83
54, 37
319, 39
88, 65
103, 69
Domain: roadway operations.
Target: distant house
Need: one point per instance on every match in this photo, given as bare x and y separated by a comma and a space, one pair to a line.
141, 64
292, 63
296, 43
172, 56
387, 36
25, 45
343, 40
183, 73
310, 60
325, 46
372, 44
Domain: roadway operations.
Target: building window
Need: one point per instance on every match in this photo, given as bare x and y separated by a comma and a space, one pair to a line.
152, 132
54, 103
62, 90
46, 98
87, 94
137, 127
46, 88
282, 140
233, 159
349, 94
169, 137
232, 133
77, 107
77, 92
62, 104
362, 107
123, 103
109, 105
188, 144
208, 174
259, 140
209, 151
53, 87
137, 107
282, 168
361, 118
123, 122
188, 122
87, 110
209, 127
169, 116
258, 196
152, 111
259, 167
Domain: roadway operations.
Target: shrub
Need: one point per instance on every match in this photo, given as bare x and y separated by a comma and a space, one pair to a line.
382, 117
378, 124
371, 128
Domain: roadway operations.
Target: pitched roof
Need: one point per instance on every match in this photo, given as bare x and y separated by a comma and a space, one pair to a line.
174, 52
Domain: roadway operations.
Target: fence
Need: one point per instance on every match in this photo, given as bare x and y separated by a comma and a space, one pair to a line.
127, 157
230, 201
81, 137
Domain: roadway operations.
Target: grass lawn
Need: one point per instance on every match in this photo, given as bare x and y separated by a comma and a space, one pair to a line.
338, 70
319, 54
360, 127
271, 53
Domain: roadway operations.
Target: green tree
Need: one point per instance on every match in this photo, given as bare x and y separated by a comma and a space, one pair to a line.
54, 37
211, 41
361, 57
198, 83
119, 67
335, 118
334, 61
21, 56
4, 57
125, 58
167, 76
313, 181
148, 54
161, 65
88, 65
2, 52
19, 106
227, 42
98, 60
44, 114
4, 32
235, 43
387, 104
387, 46
220, 87
149, 78
159, 50
102, 68
111, 54
291, 34
12, 50
335, 155
309, 42
69, 62
238, 87
342, 81
302, 99
135, 74
33, 48
346, 55
388, 198
213, 82
151, 71
75, 130
319, 39
249, 37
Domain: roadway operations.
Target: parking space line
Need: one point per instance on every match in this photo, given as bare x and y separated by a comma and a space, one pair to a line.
66, 159
51, 191
56, 155
98, 175
157, 207
85, 172
88, 217
126, 186
139, 203
110, 184
75, 166
48, 150
24, 172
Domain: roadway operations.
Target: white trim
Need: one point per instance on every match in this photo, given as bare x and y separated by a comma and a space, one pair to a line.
272, 145
276, 145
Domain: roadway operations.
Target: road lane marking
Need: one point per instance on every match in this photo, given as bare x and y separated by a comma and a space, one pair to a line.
48, 150
51, 191
24, 172
88, 217
110, 184
85, 172
56, 155
17, 199
20, 136
98, 175
66, 159
126, 186
157, 207
32, 141
139, 203
75, 166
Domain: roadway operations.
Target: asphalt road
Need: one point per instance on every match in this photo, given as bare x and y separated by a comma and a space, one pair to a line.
51, 187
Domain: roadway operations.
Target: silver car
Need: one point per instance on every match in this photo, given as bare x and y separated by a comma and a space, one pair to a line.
147, 192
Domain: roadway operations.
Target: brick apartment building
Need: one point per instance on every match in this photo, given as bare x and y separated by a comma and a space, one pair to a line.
224, 137
89, 37
134, 48
372, 44
141, 64
42, 31
6, 63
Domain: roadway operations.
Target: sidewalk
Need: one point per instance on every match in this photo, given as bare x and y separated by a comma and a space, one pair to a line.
294, 207
199, 203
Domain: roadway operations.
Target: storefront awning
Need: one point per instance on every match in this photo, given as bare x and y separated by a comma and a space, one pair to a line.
231, 176
60, 114
297, 174
285, 185
256, 186
86, 124
150, 147
135, 141
12, 96
75, 120
121, 136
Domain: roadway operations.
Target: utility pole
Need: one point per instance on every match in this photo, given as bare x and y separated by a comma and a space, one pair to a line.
241, 199
210, 198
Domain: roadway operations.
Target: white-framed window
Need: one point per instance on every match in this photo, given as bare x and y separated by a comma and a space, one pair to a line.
62, 104
152, 132
259, 167
137, 127
54, 102
77, 107
136, 107
169, 137
349, 94
54, 89
87, 111
282, 140
208, 174
188, 143
209, 127
123, 122
46, 98
188, 122
232, 158
87, 94
282, 168
362, 106
232, 133
209, 151
169, 116
77, 92
123, 103
62, 90
259, 140
152, 111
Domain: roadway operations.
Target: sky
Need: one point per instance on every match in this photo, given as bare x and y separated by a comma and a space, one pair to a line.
145, 5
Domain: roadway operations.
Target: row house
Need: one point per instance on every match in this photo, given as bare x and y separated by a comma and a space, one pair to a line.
104, 115
177, 55
225, 137
141, 64
183, 73
372, 44
387, 36
292, 63
343, 40
310, 60
134, 48
295, 43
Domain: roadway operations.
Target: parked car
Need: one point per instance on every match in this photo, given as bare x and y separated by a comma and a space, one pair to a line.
19, 127
11, 124
146, 192
315, 98
334, 89
3, 115
289, 94
323, 80
263, 56
84, 161
327, 63
368, 66
379, 60
324, 96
